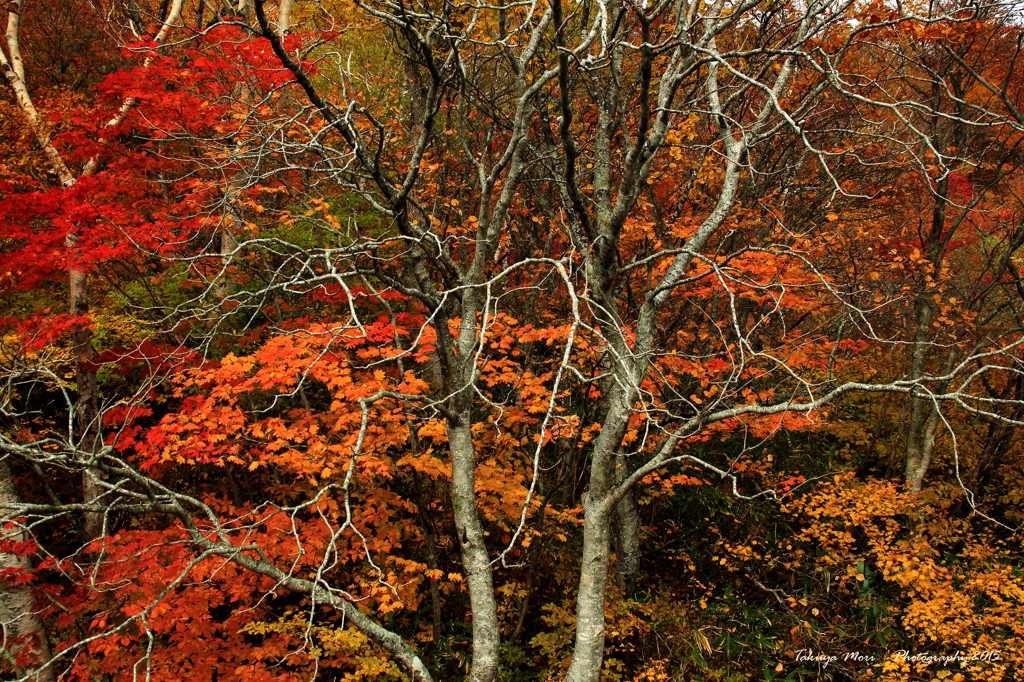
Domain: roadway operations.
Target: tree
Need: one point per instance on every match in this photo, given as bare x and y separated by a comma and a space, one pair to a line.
596, 238
84, 435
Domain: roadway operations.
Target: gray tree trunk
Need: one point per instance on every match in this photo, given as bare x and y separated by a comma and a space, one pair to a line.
588, 651
919, 448
87, 410
476, 560
627, 536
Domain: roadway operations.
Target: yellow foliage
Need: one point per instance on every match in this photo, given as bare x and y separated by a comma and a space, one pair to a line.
952, 585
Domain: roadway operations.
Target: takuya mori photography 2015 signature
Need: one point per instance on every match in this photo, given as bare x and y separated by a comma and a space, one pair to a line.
901, 655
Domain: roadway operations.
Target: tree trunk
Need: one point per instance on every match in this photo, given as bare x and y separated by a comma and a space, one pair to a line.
588, 651
475, 558
87, 411
627, 539
917, 458
924, 447
234, 219
536, 550
284, 17
23, 634
429, 544
921, 442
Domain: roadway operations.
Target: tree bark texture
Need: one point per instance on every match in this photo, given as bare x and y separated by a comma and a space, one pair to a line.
627, 534
21, 629
476, 561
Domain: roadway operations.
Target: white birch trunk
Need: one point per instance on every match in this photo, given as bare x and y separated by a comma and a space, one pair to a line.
21, 629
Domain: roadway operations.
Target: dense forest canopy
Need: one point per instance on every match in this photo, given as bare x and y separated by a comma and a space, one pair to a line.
515, 341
